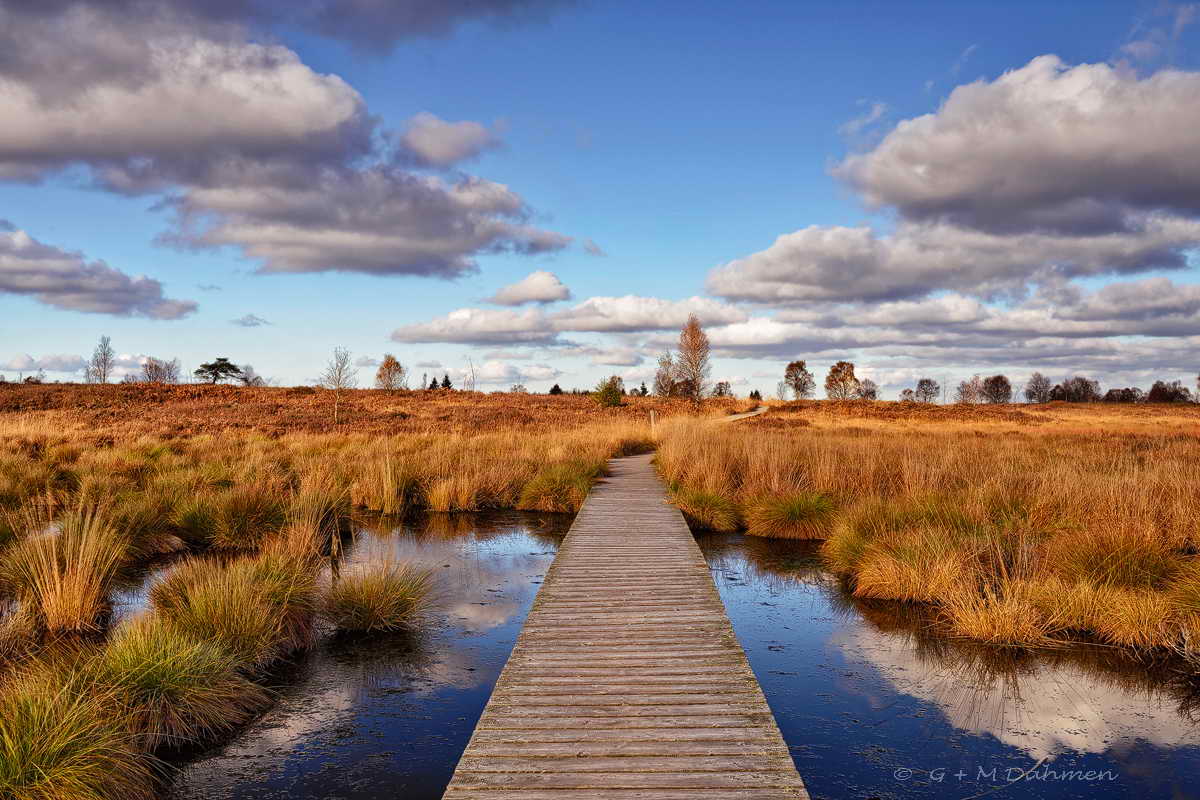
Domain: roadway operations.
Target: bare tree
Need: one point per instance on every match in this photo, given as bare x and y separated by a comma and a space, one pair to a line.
251, 378
664, 376
1078, 389
867, 390
722, 389
970, 391
100, 368
997, 389
1038, 389
391, 375
840, 383
908, 396
800, 380
339, 376
927, 390
155, 370
692, 366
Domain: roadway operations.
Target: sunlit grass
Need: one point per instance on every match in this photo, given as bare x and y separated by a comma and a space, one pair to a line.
60, 741
174, 689
385, 596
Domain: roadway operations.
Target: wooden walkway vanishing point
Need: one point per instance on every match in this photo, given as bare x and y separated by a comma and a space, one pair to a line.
627, 681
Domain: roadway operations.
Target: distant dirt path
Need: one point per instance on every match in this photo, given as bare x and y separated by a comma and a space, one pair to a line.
752, 413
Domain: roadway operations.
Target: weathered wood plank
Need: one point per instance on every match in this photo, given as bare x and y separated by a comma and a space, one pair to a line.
627, 682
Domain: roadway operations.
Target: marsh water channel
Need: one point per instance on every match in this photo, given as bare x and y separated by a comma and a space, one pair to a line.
872, 703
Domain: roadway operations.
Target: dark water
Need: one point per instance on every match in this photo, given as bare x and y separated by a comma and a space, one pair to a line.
875, 705
389, 717
871, 702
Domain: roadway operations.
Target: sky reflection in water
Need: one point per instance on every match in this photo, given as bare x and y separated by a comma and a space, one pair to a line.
870, 702
389, 717
873, 705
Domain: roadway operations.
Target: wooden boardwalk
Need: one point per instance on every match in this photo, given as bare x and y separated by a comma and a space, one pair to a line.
627, 681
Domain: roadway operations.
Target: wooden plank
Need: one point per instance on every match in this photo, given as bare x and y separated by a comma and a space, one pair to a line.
626, 682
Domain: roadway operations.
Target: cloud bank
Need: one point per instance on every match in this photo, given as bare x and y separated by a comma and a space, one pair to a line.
66, 280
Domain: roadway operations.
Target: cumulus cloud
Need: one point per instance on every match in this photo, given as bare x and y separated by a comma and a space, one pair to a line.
839, 263
362, 22
1076, 149
500, 372
366, 361
67, 280
593, 249
429, 364
636, 313
258, 152
630, 313
536, 287
50, 363
430, 141
250, 321
481, 326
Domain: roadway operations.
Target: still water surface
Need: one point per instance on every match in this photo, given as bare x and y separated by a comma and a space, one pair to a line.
871, 704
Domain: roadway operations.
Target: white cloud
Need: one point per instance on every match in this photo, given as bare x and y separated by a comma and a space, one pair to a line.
255, 150
431, 141
497, 373
630, 313
838, 263
536, 287
61, 362
1087, 148
635, 313
66, 280
875, 111
481, 326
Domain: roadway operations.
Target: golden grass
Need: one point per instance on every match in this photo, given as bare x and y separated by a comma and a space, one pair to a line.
370, 598
259, 517
61, 571
1017, 533
801, 515
174, 689
60, 743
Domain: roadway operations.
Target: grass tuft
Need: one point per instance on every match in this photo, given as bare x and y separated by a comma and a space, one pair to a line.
206, 601
707, 510
560, 487
379, 597
802, 515
58, 742
62, 572
175, 689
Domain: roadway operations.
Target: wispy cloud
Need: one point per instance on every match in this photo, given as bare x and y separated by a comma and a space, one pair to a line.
250, 321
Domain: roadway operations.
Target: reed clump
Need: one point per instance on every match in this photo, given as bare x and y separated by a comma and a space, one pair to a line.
1013, 538
61, 570
173, 688
370, 598
59, 741
799, 515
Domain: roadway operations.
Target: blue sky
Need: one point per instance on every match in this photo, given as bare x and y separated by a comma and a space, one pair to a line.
676, 137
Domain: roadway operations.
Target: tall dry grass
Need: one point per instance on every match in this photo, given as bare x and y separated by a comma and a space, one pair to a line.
254, 519
1015, 538
61, 570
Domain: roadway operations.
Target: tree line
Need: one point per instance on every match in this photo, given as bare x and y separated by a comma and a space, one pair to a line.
684, 372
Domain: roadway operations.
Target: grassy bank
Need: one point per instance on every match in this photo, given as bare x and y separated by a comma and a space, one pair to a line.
251, 521
1023, 538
